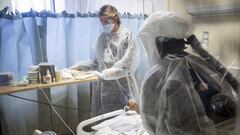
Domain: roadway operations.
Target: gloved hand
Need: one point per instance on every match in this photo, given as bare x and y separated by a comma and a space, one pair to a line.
193, 41
100, 75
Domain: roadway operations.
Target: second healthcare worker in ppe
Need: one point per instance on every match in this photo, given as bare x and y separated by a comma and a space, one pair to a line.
180, 89
115, 61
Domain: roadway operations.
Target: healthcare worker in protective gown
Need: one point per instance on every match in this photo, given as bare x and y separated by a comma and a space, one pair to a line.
181, 90
238, 121
115, 61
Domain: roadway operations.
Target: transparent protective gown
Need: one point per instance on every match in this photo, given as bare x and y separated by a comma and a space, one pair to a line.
115, 61
171, 102
238, 121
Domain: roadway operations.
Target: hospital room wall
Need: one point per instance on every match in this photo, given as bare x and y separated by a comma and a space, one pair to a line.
4, 3
224, 30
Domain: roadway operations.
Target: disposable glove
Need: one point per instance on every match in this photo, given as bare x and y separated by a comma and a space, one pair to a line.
193, 41
100, 75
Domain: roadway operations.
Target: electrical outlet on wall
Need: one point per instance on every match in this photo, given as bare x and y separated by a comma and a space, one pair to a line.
205, 40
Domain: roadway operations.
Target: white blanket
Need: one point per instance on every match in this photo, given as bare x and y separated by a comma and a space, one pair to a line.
129, 124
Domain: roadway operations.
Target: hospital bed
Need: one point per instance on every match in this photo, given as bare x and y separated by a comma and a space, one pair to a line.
124, 115
224, 128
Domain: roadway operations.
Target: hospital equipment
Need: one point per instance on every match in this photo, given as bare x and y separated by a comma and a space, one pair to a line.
120, 121
223, 128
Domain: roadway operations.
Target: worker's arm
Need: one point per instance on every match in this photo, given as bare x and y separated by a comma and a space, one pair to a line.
126, 64
213, 63
85, 65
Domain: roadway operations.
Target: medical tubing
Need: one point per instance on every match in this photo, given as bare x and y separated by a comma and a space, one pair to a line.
56, 111
39, 102
49, 100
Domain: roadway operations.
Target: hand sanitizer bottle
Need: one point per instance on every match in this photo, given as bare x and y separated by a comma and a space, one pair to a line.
48, 77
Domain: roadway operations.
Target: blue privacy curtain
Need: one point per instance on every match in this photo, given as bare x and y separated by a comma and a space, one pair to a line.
69, 40
20, 47
23, 43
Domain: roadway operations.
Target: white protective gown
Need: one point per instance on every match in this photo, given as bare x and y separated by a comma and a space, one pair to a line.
116, 60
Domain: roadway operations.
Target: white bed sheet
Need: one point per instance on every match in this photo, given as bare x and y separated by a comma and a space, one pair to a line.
109, 131
129, 123
125, 123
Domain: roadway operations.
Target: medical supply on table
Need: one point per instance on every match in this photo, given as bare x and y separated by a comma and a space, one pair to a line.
43, 67
33, 74
6, 78
33, 77
77, 75
58, 75
48, 77
33, 68
21, 82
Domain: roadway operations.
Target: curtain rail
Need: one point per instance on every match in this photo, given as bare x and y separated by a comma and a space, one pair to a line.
10, 15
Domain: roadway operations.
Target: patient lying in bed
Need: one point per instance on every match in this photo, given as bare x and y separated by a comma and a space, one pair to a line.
129, 123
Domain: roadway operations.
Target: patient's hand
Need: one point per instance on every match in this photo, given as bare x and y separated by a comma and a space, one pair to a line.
133, 105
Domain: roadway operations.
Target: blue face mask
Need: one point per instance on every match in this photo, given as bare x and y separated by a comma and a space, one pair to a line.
107, 28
